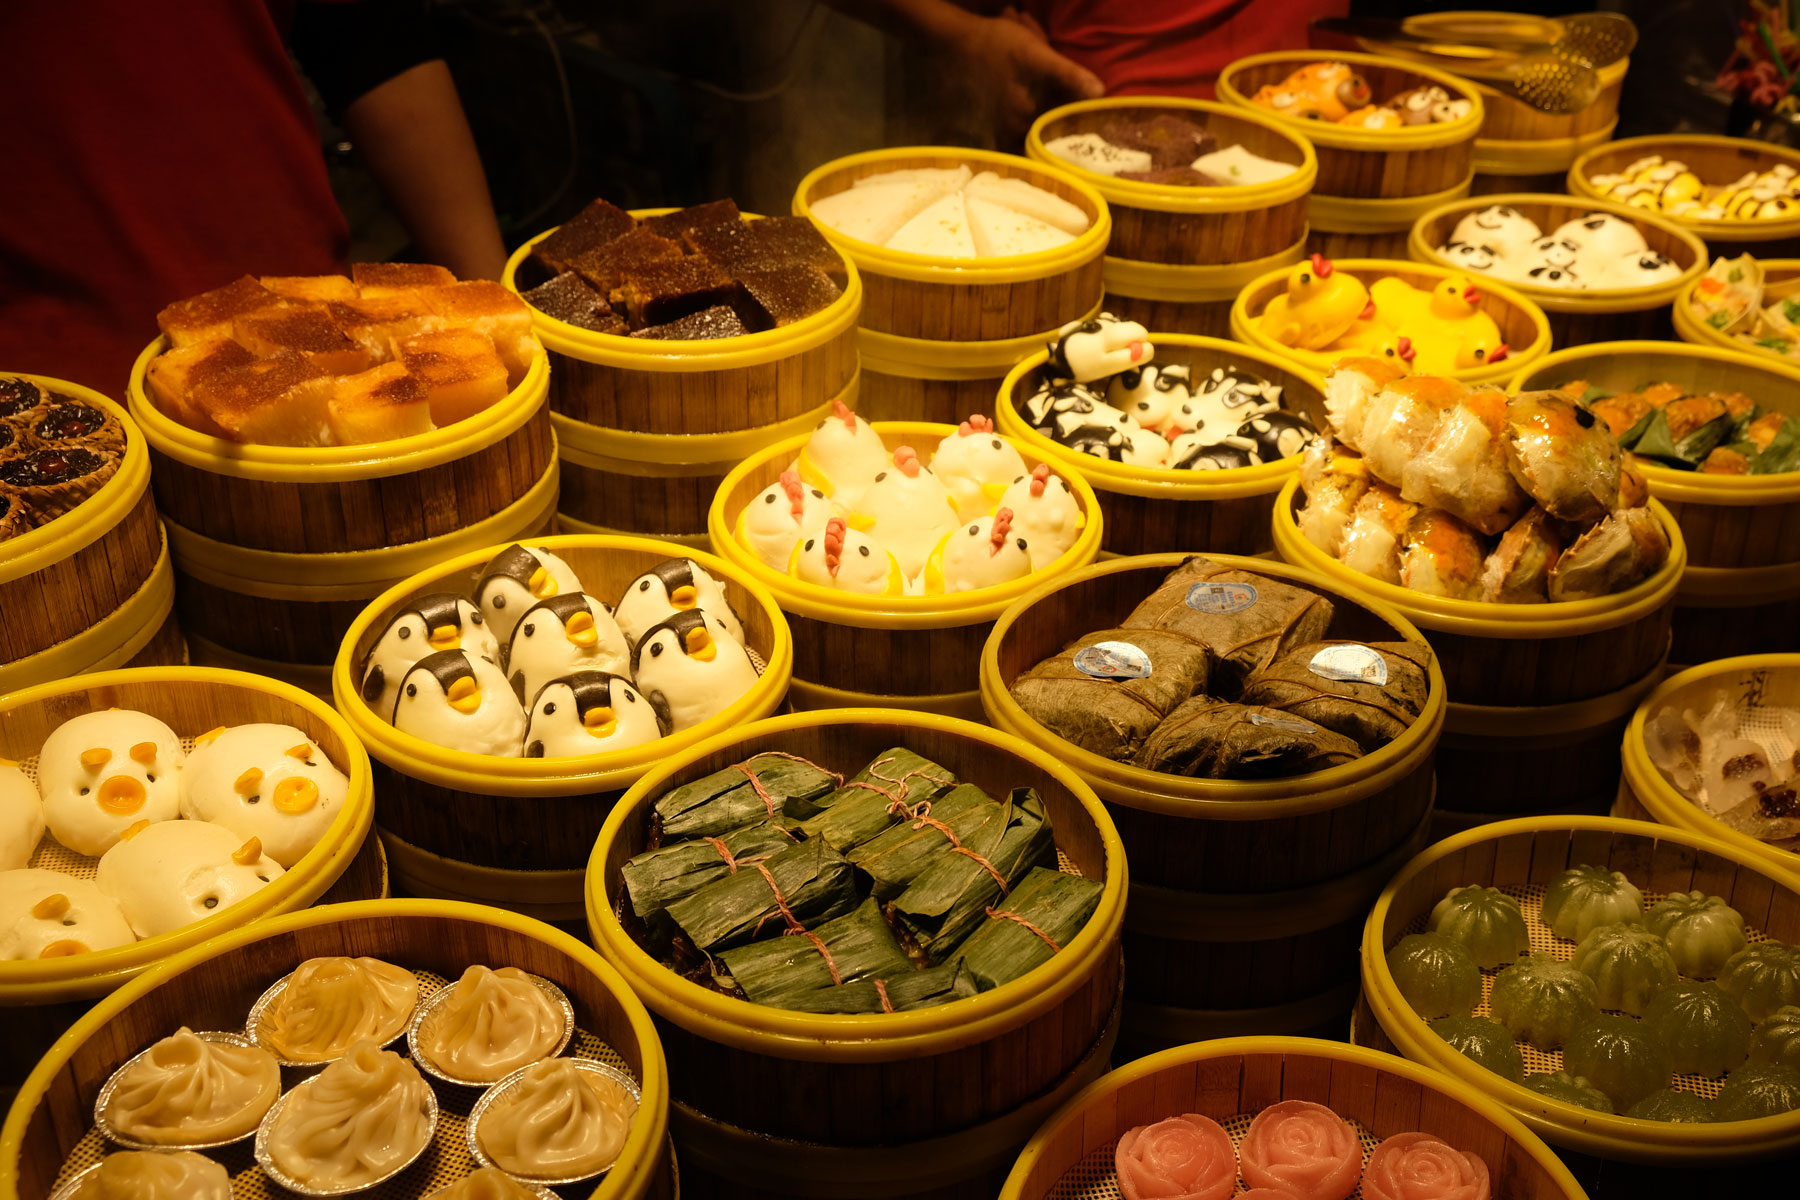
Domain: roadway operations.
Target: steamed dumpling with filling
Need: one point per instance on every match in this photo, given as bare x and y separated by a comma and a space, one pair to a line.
485, 1183
21, 817
1583, 898
353, 1124
330, 1004
491, 1024
557, 1122
265, 781
1702, 931
155, 1175
185, 1090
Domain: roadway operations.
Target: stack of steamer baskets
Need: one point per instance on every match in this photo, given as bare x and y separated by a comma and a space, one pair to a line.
1740, 593
647, 428
1373, 184
938, 333
514, 832
92, 589
1717, 161
1615, 1157
1247, 896
1180, 254
277, 548
928, 1103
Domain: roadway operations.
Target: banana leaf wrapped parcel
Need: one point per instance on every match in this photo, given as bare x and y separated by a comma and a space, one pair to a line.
900, 855
767, 787
1021, 933
855, 946
657, 878
944, 904
811, 881
876, 797
902, 991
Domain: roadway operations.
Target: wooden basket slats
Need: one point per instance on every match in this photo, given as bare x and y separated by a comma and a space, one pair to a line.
67, 596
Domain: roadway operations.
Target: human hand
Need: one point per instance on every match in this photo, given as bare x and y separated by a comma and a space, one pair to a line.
1012, 73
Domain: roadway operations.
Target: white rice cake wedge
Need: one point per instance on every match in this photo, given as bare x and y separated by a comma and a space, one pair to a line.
1032, 201
941, 230
943, 179
875, 213
1236, 165
999, 231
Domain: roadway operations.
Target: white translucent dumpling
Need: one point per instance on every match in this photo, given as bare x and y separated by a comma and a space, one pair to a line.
265, 781
21, 817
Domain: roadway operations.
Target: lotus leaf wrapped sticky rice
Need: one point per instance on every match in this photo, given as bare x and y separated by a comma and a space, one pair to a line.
1248, 620
1216, 739
1107, 691
1368, 692
1761, 1090
1702, 931
857, 945
1705, 1030
1485, 920
1570, 1089
1542, 1000
1763, 976
1483, 1041
657, 878
1034, 921
1667, 1104
1619, 1056
1581, 898
1436, 975
1777, 1038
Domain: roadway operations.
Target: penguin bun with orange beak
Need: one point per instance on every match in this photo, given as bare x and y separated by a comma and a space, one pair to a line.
460, 701
676, 585
517, 578
433, 622
102, 772
264, 781
589, 712
560, 636
691, 667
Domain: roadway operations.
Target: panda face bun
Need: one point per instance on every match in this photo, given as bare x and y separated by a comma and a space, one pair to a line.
560, 636
265, 781
460, 701
517, 578
676, 585
590, 712
434, 622
690, 667
102, 772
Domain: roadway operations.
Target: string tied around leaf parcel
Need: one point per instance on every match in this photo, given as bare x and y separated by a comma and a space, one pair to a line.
920, 816
1000, 914
887, 1006
762, 793
794, 927
732, 862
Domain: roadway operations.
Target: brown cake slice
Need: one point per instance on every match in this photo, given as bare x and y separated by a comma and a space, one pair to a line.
728, 243
705, 325
378, 405
305, 329
569, 299
210, 314
377, 322
278, 401
777, 241
604, 267
673, 225
589, 229
660, 292
317, 288
785, 294
1169, 140
460, 369
174, 374
484, 305
388, 278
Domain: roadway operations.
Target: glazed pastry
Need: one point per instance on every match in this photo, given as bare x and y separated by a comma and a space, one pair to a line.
47, 914
491, 1024
1542, 1000
1706, 1030
173, 873
846, 558
264, 781
588, 712
1764, 976
1483, 1041
1045, 513
1564, 456
514, 580
21, 817
984, 553
841, 456
69, 423
460, 701
330, 1004
185, 1090
1703, 931
690, 667
561, 636
102, 772
52, 480
909, 509
485, 1183
676, 585
976, 465
1100, 346
153, 1175
358, 1121
558, 1122
1619, 1056
781, 515
430, 623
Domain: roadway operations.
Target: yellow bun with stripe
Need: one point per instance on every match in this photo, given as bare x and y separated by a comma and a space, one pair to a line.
1718, 161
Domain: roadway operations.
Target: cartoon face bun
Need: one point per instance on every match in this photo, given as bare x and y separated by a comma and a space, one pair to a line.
842, 455
981, 554
1150, 393
21, 817
46, 914
1100, 346
1045, 513
460, 701
434, 622
690, 667
976, 464
560, 636
102, 772
269, 782
589, 712
676, 585
907, 509
848, 559
783, 513
173, 873
517, 578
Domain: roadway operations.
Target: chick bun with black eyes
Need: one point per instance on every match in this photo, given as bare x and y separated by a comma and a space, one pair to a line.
432, 622
984, 553
560, 636
460, 701
589, 712
782, 513
691, 667
844, 557
1045, 513
515, 579
676, 585
975, 464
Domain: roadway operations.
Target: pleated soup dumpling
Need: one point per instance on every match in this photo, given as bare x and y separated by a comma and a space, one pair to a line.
360, 1120
154, 1175
330, 1004
558, 1121
489, 1024
187, 1091
485, 1183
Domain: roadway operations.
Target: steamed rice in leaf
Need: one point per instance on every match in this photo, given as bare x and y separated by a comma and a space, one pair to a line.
726, 800
1247, 620
657, 878
860, 944
873, 800
1215, 739
944, 904
895, 858
912, 777
1016, 937
815, 881
1370, 692
905, 990
1106, 691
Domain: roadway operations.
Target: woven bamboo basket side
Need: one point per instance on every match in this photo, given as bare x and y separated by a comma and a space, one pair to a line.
1507, 672
901, 662
1512, 120
885, 397
66, 596
661, 501
979, 312
1206, 318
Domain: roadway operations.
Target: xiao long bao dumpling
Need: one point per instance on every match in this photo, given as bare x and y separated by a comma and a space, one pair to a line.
330, 1004
558, 1121
187, 1091
152, 1175
489, 1024
355, 1123
485, 1183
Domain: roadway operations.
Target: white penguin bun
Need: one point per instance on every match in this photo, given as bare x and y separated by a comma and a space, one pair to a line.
1045, 513
460, 701
589, 712
173, 873
515, 579
21, 817
47, 914
673, 586
842, 455
430, 623
560, 636
984, 553
691, 667
264, 781
975, 464
102, 772
780, 515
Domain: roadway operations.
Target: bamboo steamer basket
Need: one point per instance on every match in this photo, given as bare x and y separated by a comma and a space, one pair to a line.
1539, 693
1646, 794
1523, 326
1741, 591
277, 547
1580, 317
933, 1102
647, 428
912, 652
212, 986
41, 997
514, 832
1071, 1157
937, 334
1372, 184
1617, 1155
1781, 280
1246, 896
1179, 255
1156, 510
62, 580
1717, 161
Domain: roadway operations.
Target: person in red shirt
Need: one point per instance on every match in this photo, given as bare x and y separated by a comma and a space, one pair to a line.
159, 148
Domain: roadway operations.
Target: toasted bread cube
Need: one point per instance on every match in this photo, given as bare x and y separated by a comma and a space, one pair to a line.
495, 311
280, 401
460, 369
305, 329
174, 374
210, 314
316, 288
378, 405
384, 279
376, 324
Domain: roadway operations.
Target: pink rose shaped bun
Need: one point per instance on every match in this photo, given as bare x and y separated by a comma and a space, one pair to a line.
1304, 1149
1183, 1158
1416, 1166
